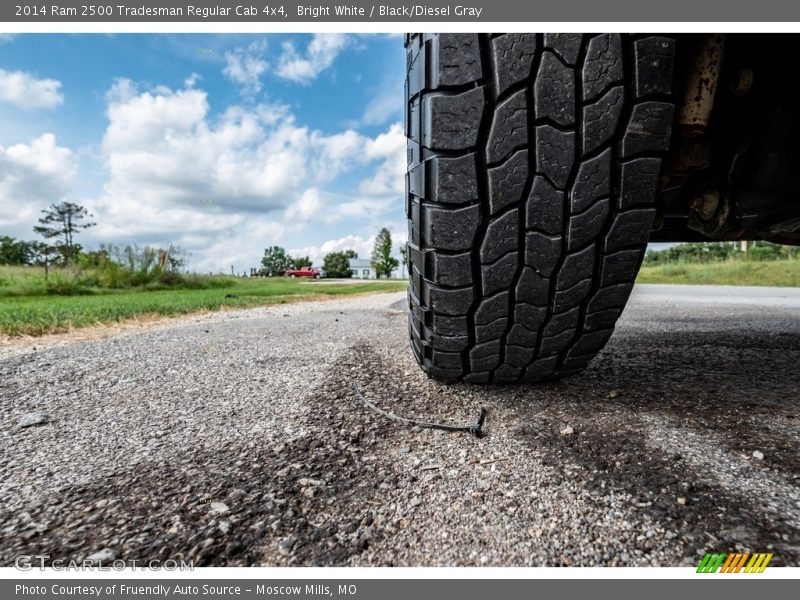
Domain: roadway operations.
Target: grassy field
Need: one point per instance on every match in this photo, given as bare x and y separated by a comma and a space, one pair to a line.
28, 307
779, 273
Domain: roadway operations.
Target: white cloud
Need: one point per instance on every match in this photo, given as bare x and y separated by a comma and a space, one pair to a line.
192, 80
245, 66
33, 176
26, 91
225, 186
320, 53
6, 38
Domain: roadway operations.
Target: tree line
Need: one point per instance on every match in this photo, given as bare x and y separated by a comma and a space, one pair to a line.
276, 261
708, 252
61, 223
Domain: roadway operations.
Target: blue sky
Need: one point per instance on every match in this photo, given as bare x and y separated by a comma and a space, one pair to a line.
222, 144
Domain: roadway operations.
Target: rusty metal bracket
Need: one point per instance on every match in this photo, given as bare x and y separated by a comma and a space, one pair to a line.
701, 86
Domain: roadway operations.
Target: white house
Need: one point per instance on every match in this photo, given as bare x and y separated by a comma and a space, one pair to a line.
362, 268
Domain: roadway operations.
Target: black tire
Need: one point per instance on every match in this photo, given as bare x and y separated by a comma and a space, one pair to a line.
534, 163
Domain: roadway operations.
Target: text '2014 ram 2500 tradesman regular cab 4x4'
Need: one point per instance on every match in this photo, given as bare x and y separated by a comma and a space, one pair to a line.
541, 165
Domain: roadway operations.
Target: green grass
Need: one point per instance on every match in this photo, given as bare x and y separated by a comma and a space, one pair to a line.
778, 273
28, 307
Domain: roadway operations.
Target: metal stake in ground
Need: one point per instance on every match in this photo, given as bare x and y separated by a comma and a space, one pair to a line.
475, 429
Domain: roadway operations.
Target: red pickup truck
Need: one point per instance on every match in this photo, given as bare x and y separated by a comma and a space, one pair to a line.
304, 272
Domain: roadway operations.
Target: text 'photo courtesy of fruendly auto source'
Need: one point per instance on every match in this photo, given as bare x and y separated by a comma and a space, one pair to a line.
397, 307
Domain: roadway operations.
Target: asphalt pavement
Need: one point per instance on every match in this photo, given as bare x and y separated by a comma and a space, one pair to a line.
235, 439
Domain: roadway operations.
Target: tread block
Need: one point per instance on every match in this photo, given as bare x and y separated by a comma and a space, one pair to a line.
509, 128
491, 309
555, 151
447, 343
603, 319
545, 207
613, 296
482, 377
529, 316
452, 121
542, 252
566, 45
452, 180
556, 344
603, 65
491, 331
451, 229
507, 181
589, 343
572, 296
554, 91
455, 59
448, 302
532, 287
654, 58
576, 266
519, 356
512, 58
585, 227
561, 322
447, 360
620, 267
449, 325
506, 373
501, 237
521, 336
639, 182
541, 368
600, 119
500, 274
485, 357
630, 228
648, 129
592, 182
451, 270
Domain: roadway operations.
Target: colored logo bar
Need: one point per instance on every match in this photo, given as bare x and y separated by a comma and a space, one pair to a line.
722, 562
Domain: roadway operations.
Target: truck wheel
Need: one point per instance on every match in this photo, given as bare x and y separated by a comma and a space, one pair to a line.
534, 162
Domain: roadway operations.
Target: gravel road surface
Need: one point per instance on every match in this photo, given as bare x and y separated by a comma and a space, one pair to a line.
235, 439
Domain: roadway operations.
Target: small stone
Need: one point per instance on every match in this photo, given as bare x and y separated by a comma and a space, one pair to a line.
483, 485
758, 455
568, 430
102, 556
224, 526
219, 508
34, 418
681, 500
416, 501
286, 544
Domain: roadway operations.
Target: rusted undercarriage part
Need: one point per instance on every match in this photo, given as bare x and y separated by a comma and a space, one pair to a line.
734, 166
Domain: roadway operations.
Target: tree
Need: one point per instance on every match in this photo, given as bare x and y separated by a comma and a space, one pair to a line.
62, 222
337, 264
404, 257
382, 260
275, 260
299, 262
43, 254
15, 252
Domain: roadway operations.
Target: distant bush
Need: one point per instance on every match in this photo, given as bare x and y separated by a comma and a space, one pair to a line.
710, 252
